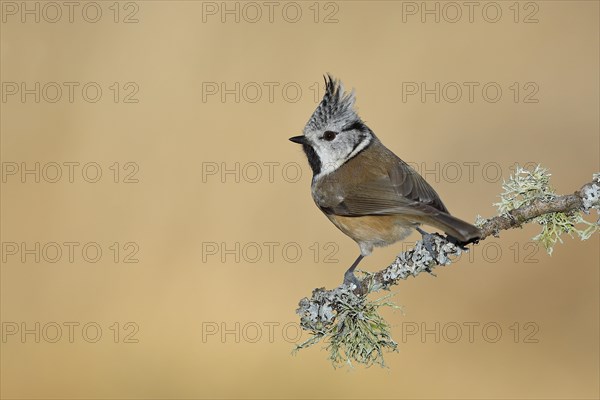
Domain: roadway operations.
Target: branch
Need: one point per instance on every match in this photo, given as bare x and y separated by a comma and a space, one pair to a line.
328, 312
583, 199
401, 268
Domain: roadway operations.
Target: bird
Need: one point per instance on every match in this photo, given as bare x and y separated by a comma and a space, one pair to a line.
366, 190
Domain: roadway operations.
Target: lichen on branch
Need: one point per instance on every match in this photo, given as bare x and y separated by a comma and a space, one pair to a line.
527, 187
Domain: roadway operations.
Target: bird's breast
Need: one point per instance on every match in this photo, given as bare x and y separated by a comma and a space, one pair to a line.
378, 230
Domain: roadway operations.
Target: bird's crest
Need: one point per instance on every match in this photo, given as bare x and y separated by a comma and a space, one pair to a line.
336, 105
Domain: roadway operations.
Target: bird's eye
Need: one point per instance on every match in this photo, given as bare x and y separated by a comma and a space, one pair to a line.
329, 135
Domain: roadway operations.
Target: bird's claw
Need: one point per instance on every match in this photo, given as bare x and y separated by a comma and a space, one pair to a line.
350, 278
428, 242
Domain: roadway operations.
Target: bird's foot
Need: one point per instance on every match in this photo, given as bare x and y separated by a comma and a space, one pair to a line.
428, 242
350, 278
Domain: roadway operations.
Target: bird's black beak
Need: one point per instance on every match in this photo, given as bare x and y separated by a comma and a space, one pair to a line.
298, 139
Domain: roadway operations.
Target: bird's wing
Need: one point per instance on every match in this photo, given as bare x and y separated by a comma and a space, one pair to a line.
401, 191
408, 183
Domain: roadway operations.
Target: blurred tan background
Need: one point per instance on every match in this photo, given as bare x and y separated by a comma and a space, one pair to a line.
188, 319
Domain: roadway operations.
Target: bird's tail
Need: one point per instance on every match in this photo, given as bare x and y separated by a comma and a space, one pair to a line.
460, 230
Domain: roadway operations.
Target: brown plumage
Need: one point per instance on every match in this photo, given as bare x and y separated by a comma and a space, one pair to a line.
367, 191
375, 198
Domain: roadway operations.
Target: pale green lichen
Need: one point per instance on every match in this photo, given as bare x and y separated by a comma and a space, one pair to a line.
554, 225
479, 221
525, 186
357, 334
